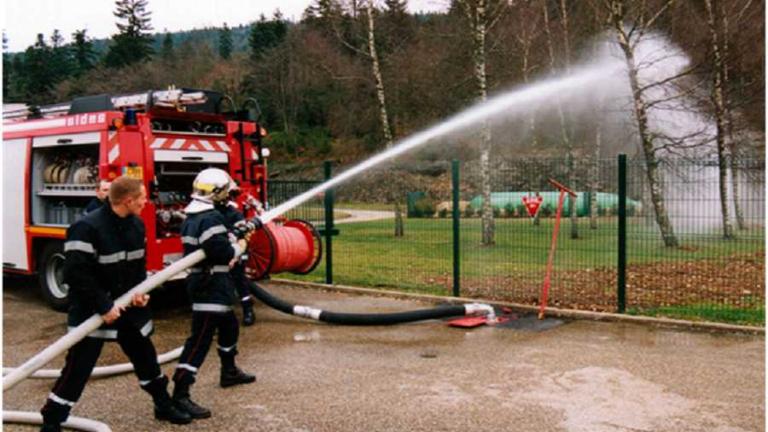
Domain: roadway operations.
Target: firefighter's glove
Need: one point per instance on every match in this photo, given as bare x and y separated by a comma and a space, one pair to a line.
245, 228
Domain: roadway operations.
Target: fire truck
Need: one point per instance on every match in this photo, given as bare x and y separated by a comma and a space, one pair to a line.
55, 156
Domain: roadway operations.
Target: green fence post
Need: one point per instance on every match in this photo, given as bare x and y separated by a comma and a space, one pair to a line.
621, 267
328, 226
456, 240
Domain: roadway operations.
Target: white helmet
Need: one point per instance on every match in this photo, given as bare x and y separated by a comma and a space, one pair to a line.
211, 186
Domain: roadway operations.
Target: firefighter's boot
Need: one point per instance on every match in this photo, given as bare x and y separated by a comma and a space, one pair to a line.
182, 401
231, 375
248, 316
165, 408
54, 414
50, 427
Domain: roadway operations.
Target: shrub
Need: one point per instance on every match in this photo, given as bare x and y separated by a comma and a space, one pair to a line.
496, 212
424, 207
443, 213
510, 209
546, 210
469, 212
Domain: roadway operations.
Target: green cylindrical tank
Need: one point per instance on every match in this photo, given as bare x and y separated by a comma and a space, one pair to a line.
512, 200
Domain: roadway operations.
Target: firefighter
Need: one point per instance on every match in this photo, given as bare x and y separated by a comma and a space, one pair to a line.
102, 192
210, 289
233, 216
105, 257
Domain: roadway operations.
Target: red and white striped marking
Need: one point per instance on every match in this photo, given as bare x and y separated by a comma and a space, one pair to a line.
114, 147
189, 144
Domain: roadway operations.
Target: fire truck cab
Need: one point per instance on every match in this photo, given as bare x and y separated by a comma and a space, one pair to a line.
55, 156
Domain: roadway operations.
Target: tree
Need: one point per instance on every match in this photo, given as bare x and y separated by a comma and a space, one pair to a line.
376, 71
481, 16
714, 23
627, 38
225, 42
133, 43
168, 51
267, 34
82, 51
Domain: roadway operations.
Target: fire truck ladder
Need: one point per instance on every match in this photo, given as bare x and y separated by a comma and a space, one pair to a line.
172, 98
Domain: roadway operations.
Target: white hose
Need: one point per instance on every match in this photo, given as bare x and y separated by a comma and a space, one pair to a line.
72, 422
65, 342
102, 371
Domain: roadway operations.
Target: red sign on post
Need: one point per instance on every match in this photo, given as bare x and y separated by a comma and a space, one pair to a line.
532, 204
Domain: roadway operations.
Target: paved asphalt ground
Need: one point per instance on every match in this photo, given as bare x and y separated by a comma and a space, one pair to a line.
579, 376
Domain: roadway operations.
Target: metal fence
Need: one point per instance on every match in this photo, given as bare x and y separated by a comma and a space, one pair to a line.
703, 274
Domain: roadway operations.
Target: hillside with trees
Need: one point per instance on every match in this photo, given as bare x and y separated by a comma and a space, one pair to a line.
352, 76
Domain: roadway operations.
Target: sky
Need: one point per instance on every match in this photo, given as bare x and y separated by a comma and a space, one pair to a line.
24, 19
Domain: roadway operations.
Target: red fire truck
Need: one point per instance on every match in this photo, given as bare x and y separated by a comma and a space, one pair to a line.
53, 158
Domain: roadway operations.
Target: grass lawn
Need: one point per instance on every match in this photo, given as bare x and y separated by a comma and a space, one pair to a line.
368, 254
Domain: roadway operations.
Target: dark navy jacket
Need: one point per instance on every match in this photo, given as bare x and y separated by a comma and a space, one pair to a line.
232, 216
209, 285
105, 257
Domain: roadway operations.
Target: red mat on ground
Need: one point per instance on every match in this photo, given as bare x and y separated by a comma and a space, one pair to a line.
474, 321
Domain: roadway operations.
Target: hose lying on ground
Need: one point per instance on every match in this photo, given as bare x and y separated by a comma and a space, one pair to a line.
72, 422
362, 319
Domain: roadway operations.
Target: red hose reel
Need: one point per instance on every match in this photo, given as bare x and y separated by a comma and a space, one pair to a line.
283, 246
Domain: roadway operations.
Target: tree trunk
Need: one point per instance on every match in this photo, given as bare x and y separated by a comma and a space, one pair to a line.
561, 115
595, 180
646, 139
719, 105
733, 144
377, 77
477, 21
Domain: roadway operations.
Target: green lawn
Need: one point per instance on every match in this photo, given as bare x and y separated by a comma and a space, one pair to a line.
368, 254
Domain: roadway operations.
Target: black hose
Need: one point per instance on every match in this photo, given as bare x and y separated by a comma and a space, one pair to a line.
359, 319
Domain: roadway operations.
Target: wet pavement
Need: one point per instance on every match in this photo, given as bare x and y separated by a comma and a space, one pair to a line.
580, 376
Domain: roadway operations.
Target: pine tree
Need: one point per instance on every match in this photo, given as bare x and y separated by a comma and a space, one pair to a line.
59, 63
83, 55
133, 43
38, 76
267, 34
168, 51
225, 42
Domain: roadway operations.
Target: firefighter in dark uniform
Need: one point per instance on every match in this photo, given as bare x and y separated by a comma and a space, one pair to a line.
210, 289
232, 216
105, 257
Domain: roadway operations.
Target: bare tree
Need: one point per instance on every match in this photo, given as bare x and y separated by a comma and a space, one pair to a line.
480, 20
564, 132
729, 117
376, 69
713, 19
627, 38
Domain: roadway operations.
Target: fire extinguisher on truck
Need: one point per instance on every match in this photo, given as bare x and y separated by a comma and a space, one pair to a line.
54, 157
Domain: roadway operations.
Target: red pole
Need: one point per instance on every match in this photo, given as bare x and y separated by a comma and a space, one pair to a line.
547, 278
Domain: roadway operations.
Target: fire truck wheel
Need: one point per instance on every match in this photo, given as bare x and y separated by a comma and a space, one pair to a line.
51, 273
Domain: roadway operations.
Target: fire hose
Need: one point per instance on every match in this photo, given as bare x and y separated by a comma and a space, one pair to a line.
38, 361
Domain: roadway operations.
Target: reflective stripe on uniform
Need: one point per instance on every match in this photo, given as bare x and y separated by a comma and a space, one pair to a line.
189, 240
210, 307
212, 231
136, 254
186, 366
120, 256
147, 328
227, 349
213, 269
59, 400
79, 246
144, 383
